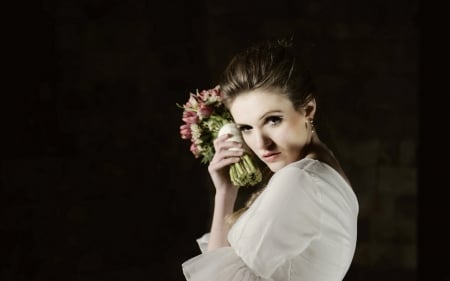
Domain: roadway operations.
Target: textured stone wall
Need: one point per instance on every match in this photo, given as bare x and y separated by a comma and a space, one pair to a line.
96, 183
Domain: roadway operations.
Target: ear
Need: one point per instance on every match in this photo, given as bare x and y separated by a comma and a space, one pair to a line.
310, 109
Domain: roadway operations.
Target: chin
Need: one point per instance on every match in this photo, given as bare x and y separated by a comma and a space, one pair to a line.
276, 166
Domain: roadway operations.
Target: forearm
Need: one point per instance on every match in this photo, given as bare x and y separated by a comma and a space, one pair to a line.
223, 206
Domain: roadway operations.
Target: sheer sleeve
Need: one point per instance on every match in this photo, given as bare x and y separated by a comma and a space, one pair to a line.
202, 242
283, 221
221, 264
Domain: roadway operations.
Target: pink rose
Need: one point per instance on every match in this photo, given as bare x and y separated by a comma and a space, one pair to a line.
190, 117
195, 150
185, 132
206, 95
205, 110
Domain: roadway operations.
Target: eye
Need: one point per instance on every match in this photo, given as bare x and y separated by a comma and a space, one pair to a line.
244, 128
273, 120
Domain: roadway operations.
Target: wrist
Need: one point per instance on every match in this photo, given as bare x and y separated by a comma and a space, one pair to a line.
228, 195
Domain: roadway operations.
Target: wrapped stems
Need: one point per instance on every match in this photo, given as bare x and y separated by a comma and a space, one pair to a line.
244, 172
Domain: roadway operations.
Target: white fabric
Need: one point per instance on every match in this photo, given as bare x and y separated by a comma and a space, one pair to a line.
302, 227
202, 242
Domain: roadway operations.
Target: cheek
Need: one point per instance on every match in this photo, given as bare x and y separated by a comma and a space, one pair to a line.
248, 141
296, 137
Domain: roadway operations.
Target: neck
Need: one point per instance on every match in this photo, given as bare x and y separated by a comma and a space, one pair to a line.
320, 151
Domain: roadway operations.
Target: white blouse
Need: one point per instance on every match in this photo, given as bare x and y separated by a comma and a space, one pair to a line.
303, 226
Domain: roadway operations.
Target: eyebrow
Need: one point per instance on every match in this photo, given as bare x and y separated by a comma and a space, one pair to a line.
268, 113
264, 115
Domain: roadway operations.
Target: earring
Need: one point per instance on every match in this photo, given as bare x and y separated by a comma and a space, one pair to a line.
311, 121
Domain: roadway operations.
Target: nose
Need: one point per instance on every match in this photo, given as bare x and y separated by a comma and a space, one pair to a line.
262, 141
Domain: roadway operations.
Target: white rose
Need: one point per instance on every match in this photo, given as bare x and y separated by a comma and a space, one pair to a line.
230, 128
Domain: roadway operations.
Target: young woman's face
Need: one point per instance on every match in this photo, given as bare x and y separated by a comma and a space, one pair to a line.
271, 127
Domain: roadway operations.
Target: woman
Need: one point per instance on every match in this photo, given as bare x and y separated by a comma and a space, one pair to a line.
302, 226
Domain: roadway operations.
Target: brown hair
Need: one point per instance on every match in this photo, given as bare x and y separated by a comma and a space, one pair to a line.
271, 64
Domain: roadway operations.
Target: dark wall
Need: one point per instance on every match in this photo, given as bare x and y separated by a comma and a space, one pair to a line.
96, 183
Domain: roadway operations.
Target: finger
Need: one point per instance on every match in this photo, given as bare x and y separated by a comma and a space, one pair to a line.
232, 152
225, 145
221, 138
224, 155
226, 138
221, 163
227, 153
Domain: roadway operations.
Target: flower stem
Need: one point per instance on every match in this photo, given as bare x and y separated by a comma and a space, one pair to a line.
244, 172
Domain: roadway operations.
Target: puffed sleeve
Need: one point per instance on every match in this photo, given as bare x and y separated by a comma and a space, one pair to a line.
203, 241
285, 219
220, 264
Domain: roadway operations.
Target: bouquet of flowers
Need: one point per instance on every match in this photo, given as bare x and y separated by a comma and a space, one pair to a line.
205, 118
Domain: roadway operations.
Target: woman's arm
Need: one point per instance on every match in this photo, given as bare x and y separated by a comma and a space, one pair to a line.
226, 192
223, 206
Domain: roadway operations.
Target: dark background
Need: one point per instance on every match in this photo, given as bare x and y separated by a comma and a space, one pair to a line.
96, 183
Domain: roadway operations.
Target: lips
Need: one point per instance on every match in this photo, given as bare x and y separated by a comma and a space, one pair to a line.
270, 156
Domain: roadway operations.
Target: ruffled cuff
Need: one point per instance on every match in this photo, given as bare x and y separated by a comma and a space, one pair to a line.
203, 242
221, 264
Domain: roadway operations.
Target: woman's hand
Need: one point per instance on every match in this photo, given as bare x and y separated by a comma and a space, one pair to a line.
226, 153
